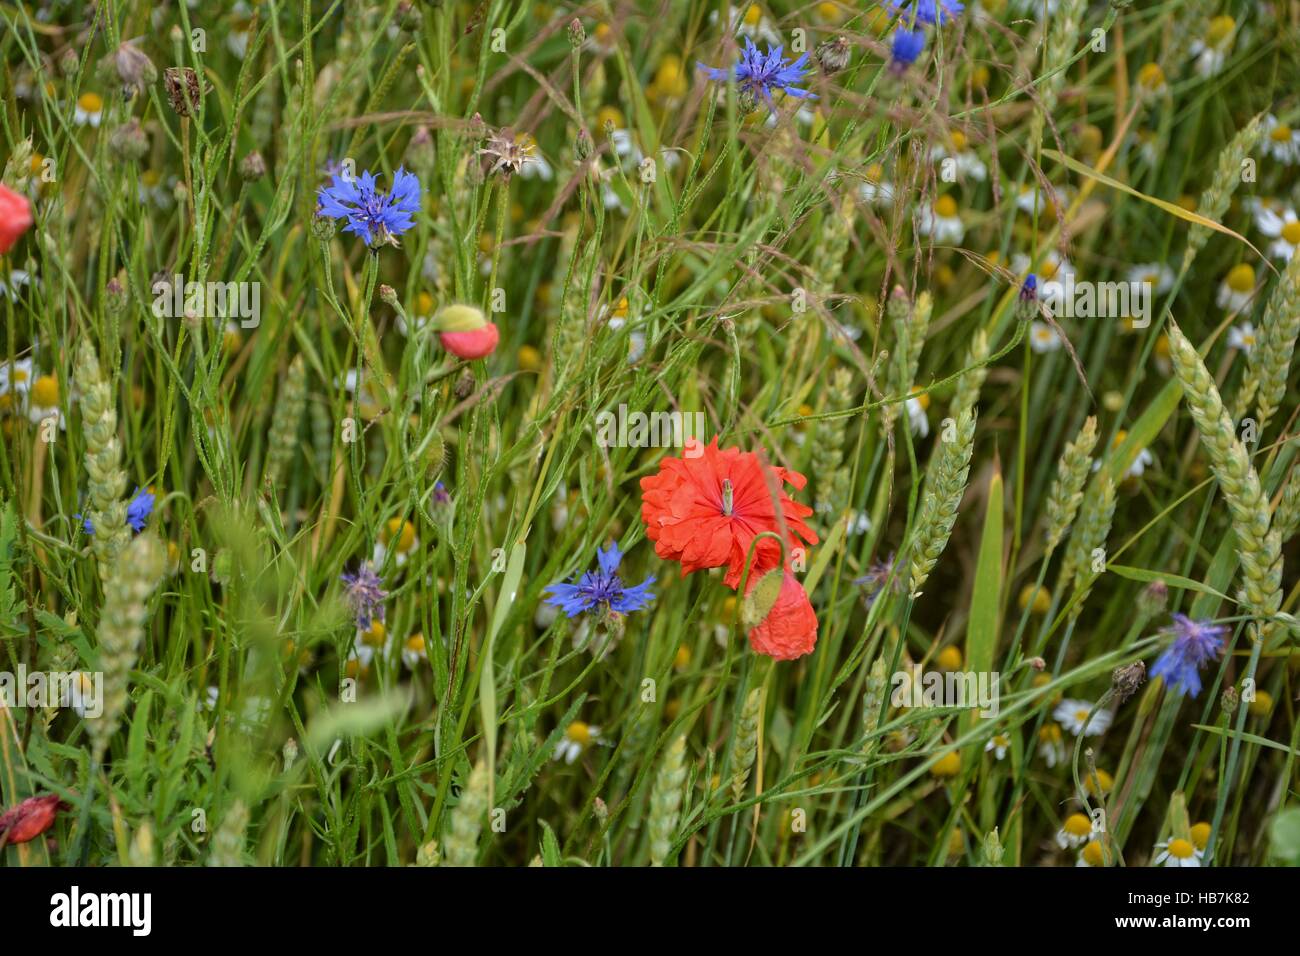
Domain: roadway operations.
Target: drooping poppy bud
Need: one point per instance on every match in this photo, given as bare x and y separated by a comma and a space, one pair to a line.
15, 217
29, 819
789, 628
465, 332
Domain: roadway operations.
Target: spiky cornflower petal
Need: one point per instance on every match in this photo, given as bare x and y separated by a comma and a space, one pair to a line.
1195, 643
763, 73
930, 12
138, 510
602, 589
907, 46
377, 217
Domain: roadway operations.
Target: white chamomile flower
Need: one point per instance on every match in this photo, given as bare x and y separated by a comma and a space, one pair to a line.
1043, 338
414, 652
965, 161
1155, 274
1211, 51
577, 738
940, 221
16, 376
1280, 141
1237, 288
1053, 268
43, 401
917, 403
89, 110
1141, 461
998, 744
749, 21
1073, 716
374, 640
876, 190
1075, 832
1280, 224
1178, 852
81, 695
1050, 745
1242, 337
154, 189
856, 523
398, 537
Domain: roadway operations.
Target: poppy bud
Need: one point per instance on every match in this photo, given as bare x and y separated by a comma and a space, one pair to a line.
29, 819
465, 332
15, 217
789, 629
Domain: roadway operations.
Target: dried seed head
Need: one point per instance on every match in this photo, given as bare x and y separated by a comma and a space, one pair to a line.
252, 167
1125, 681
506, 154
833, 55
129, 66
184, 92
129, 141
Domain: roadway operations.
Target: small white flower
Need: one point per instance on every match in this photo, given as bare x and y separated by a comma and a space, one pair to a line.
1242, 337
1043, 338
414, 652
966, 162
1073, 716
399, 537
876, 190
577, 738
916, 417
18, 280
79, 694
1237, 289
89, 110
940, 221
16, 376
1178, 852
1280, 141
1155, 274
1075, 832
1050, 746
998, 744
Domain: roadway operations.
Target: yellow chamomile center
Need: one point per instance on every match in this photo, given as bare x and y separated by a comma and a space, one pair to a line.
400, 534
1241, 278
415, 643
874, 173
609, 116
1092, 854
90, 102
949, 658
945, 207
424, 304
1281, 133
1181, 849
579, 733
949, 765
1291, 233
45, 391
1220, 30
375, 636
753, 15
1151, 76
1200, 835
1077, 825
958, 140
921, 398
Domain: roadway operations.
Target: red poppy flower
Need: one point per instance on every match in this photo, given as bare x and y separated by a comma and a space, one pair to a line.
705, 510
30, 818
790, 628
15, 217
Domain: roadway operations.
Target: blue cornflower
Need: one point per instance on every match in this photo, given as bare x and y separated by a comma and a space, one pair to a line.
138, 510
602, 588
907, 46
927, 11
1195, 642
365, 593
762, 73
375, 216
